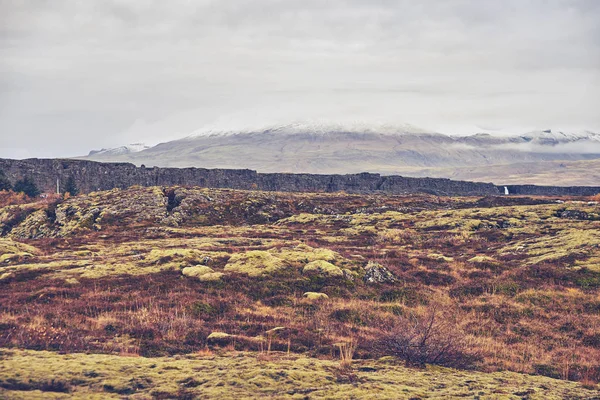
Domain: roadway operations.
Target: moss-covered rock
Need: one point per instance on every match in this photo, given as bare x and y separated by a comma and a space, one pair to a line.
305, 254
255, 263
315, 296
323, 268
203, 273
218, 336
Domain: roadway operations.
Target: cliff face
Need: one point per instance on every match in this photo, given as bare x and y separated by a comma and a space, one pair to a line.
93, 176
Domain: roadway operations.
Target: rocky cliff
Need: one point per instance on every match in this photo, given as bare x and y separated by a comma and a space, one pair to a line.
93, 176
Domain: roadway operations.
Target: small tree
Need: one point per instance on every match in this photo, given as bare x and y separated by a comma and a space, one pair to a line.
71, 186
27, 186
4, 182
432, 338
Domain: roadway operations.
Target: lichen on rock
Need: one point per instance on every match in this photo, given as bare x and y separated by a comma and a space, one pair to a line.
377, 273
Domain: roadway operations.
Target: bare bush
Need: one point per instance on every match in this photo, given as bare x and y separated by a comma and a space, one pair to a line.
432, 338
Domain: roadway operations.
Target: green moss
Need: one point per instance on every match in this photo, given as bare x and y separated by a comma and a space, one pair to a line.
439, 257
315, 296
304, 254
244, 376
6, 275
176, 256
323, 268
566, 243
202, 273
13, 249
255, 263
218, 336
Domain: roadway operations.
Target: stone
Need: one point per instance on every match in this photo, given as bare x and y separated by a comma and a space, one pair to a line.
377, 273
316, 296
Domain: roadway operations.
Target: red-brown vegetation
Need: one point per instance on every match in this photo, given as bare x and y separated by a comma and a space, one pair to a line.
473, 285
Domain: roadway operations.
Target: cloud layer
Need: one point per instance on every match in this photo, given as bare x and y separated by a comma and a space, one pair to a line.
78, 75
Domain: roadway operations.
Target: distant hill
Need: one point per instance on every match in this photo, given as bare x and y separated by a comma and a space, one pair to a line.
542, 157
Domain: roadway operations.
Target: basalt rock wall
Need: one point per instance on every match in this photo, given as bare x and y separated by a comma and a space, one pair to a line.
92, 176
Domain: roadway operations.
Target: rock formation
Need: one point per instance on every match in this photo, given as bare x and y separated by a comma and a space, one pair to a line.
94, 176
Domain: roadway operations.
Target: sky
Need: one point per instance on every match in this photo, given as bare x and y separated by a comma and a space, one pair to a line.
83, 75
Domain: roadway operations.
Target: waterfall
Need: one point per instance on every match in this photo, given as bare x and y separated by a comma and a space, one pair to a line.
506, 190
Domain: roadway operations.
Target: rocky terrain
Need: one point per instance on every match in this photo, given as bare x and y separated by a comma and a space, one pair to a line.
150, 292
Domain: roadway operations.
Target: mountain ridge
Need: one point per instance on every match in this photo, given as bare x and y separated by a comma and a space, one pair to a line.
384, 149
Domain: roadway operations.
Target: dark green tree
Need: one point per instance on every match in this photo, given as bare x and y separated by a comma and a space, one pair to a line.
27, 186
71, 187
4, 182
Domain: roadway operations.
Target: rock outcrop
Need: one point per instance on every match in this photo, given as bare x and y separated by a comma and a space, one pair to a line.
94, 176
377, 273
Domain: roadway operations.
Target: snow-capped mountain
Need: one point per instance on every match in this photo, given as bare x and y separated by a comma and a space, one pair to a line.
312, 127
338, 148
121, 150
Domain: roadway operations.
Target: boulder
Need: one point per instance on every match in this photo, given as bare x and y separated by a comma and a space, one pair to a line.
377, 273
323, 268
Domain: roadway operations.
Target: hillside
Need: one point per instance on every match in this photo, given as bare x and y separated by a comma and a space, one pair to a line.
504, 283
339, 149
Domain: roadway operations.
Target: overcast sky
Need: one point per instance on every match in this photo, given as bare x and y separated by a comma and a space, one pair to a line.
79, 75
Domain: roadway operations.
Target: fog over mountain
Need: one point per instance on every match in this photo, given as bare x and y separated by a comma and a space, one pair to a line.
76, 75
338, 148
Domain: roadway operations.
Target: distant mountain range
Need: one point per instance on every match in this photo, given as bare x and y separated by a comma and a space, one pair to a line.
118, 151
539, 157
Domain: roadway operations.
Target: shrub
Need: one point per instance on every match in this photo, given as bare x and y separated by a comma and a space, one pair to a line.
8, 198
406, 295
347, 315
472, 289
428, 339
592, 340
434, 278
546, 370
71, 187
587, 279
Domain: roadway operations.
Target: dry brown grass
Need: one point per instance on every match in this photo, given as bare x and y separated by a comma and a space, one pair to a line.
118, 287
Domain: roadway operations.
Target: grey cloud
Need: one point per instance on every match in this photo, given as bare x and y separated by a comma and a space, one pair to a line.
580, 147
76, 75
